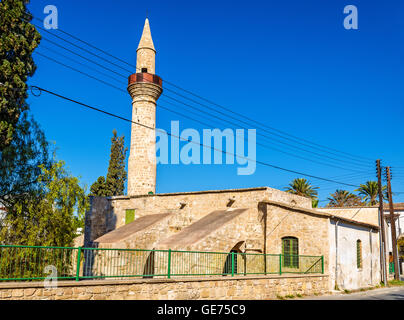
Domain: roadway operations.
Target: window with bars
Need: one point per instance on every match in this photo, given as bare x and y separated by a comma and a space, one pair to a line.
359, 254
290, 252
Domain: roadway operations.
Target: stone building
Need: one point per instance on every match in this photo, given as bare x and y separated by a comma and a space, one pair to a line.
253, 220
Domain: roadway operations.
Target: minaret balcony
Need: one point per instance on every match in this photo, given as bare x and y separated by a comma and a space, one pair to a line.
145, 77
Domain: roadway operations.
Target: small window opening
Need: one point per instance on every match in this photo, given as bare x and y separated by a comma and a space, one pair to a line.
144, 70
359, 254
230, 202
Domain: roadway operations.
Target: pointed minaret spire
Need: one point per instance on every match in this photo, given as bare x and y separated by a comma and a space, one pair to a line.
145, 51
146, 40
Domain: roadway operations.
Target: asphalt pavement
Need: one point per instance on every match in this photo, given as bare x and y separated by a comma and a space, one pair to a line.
390, 293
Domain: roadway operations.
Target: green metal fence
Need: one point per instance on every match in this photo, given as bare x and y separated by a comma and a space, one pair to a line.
29, 263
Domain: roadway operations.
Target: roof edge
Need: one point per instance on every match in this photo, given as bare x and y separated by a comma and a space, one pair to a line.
319, 213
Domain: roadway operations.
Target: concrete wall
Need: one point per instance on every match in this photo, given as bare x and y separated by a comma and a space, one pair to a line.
361, 214
347, 275
220, 288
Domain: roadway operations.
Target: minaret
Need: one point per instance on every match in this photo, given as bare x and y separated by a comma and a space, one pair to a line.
145, 88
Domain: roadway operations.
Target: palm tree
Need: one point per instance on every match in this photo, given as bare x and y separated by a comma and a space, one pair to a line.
370, 191
344, 198
302, 187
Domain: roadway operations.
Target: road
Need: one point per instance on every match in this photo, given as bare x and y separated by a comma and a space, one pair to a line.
392, 293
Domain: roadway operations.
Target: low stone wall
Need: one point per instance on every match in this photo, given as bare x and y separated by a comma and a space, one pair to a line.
218, 288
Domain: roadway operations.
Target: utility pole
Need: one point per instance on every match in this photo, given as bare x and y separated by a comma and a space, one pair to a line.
393, 225
381, 224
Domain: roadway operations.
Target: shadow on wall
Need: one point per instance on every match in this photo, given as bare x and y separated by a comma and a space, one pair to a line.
148, 270
99, 219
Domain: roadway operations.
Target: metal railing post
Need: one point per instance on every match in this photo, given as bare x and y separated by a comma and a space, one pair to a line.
280, 264
169, 264
232, 264
322, 264
78, 264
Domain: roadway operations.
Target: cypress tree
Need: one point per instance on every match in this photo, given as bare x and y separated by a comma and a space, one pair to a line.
23, 147
116, 175
18, 40
99, 188
114, 184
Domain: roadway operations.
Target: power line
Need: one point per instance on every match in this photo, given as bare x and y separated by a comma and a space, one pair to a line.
262, 145
189, 92
117, 88
82, 72
80, 63
187, 140
264, 129
267, 138
188, 104
85, 58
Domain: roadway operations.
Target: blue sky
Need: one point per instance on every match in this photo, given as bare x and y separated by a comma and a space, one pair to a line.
288, 64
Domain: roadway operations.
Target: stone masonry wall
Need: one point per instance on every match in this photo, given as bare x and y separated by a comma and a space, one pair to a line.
223, 288
199, 204
311, 231
107, 214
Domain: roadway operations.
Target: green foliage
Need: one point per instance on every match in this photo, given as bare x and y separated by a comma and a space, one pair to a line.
18, 40
22, 143
31, 262
344, 198
400, 244
20, 161
50, 219
370, 192
99, 188
116, 175
303, 188
114, 184
396, 283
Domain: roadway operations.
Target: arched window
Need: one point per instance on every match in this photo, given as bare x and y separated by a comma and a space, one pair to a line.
228, 265
359, 254
290, 252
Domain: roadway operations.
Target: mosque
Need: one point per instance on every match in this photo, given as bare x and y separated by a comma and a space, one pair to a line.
253, 220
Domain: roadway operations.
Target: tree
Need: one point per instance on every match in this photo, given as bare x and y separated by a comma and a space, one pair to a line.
18, 40
302, 187
400, 245
116, 175
370, 192
50, 219
22, 143
114, 184
99, 188
20, 161
344, 198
